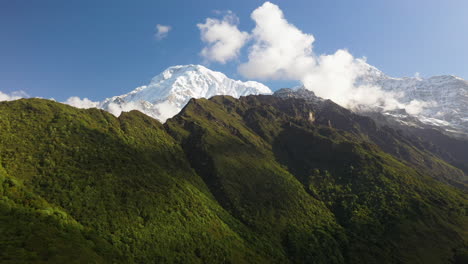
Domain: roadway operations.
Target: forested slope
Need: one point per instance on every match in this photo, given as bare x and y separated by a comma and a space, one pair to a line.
256, 180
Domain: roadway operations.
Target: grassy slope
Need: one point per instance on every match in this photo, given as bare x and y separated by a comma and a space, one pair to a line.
250, 180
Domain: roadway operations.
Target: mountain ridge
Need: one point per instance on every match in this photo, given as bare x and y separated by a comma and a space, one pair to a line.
438, 102
428, 139
254, 179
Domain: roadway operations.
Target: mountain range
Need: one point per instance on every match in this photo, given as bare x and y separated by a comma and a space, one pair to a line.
259, 179
442, 100
235, 174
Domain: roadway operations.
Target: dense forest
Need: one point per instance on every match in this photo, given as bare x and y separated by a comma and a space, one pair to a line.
260, 179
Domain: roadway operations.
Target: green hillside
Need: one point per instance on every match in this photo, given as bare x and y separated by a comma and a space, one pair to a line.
254, 180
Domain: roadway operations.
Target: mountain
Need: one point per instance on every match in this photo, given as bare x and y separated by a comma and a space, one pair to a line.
431, 141
169, 92
259, 179
445, 98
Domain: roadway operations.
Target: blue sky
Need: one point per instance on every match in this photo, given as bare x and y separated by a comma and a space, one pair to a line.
98, 49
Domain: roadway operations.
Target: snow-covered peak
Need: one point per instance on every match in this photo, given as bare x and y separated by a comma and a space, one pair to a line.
444, 98
175, 71
169, 92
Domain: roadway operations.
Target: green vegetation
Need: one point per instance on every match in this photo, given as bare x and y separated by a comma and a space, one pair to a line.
225, 181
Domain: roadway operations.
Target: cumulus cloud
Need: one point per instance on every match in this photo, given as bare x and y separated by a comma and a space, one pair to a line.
224, 40
13, 96
162, 31
84, 103
334, 77
281, 51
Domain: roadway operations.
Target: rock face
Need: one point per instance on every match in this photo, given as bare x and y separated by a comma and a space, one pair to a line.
169, 92
298, 92
445, 97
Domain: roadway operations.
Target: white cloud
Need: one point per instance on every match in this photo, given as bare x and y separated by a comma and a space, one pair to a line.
13, 96
162, 31
84, 103
161, 111
334, 77
117, 109
224, 40
166, 110
415, 106
281, 51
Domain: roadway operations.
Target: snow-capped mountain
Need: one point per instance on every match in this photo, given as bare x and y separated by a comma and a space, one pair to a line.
442, 101
169, 92
445, 99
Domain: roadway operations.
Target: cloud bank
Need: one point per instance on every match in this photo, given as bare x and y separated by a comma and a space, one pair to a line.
84, 103
223, 38
162, 31
281, 51
13, 96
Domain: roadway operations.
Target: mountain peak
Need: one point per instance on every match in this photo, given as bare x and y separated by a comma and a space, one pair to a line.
443, 98
169, 91
189, 69
186, 68
297, 92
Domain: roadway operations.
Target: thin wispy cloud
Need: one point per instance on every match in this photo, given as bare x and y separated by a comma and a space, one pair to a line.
162, 31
